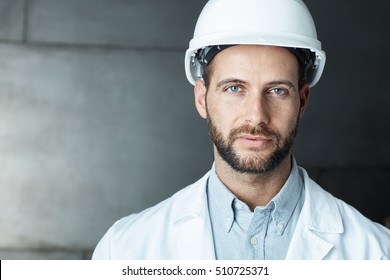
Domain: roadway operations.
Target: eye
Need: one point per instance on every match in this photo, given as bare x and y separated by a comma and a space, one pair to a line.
233, 89
278, 91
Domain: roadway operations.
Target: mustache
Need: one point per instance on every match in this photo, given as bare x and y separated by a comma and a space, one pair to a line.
261, 131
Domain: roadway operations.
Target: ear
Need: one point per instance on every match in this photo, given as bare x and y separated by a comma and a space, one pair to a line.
200, 98
304, 94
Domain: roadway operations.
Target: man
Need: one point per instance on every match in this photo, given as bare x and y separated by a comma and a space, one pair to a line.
252, 64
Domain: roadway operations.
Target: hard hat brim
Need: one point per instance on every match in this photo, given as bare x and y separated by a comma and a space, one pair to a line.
193, 72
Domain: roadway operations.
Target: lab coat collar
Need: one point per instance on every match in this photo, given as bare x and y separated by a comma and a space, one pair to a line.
194, 215
324, 214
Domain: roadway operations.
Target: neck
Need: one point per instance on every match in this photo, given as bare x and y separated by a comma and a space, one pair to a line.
253, 189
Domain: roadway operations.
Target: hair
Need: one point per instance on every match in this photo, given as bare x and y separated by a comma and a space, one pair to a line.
207, 71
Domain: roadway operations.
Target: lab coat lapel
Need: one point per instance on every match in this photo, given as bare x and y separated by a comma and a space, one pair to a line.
306, 245
319, 224
192, 226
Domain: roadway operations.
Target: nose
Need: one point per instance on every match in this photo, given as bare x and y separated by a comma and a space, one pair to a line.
257, 110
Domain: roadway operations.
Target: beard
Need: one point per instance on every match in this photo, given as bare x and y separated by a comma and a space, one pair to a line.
255, 163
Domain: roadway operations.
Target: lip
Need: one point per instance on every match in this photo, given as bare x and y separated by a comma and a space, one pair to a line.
254, 141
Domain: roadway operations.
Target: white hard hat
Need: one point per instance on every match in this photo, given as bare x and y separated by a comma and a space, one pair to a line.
284, 23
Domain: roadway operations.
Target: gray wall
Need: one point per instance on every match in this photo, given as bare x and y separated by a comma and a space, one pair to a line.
97, 119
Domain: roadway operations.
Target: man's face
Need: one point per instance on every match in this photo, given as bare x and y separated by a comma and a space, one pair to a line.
252, 106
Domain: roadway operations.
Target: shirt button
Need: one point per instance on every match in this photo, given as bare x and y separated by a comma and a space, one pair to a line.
254, 241
280, 226
238, 205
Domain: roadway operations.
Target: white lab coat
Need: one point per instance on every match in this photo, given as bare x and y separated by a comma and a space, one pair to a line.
179, 228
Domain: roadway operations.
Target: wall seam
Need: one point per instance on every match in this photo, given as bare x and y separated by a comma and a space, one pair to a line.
26, 11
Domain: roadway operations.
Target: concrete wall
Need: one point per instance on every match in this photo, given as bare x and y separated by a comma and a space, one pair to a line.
97, 119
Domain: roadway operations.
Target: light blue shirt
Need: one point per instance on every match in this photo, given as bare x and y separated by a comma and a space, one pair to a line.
263, 234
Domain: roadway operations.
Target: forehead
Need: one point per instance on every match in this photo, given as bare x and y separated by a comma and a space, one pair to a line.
256, 60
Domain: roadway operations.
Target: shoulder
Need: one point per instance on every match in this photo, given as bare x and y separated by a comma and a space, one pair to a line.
369, 239
355, 222
348, 226
148, 228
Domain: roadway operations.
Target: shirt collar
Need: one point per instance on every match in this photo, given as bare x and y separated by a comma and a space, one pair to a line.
287, 198
222, 198
283, 203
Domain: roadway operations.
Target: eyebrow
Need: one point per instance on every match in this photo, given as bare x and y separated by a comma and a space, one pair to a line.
282, 82
230, 81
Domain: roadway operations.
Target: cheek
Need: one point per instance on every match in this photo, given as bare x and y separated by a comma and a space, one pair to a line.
221, 115
285, 118
221, 123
